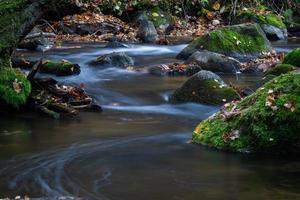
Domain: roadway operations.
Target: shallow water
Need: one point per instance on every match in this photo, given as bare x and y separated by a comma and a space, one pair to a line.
138, 148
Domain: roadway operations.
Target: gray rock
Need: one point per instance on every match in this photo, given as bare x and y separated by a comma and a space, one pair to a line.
274, 33
147, 32
117, 59
204, 87
215, 62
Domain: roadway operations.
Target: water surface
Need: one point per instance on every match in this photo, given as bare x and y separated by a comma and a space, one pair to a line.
139, 147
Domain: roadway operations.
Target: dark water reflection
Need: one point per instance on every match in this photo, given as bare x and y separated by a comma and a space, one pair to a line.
138, 148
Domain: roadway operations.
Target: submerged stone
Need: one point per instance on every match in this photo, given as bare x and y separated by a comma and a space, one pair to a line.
118, 59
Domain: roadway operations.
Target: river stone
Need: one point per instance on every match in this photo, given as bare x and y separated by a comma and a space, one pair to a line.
243, 41
265, 122
117, 59
165, 70
274, 33
147, 32
271, 24
214, 62
204, 87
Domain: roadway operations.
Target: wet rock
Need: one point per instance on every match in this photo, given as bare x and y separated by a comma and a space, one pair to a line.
243, 42
271, 24
214, 62
265, 122
175, 70
59, 68
204, 87
117, 59
274, 33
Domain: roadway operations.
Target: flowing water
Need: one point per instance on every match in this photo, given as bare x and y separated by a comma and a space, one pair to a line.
138, 148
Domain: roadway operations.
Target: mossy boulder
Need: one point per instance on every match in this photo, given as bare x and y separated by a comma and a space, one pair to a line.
293, 58
14, 87
267, 121
244, 41
280, 69
204, 87
59, 68
271, 24
116, 59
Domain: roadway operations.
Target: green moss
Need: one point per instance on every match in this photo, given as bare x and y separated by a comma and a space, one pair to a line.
272, 19
7, 92
11, 17
269, 19
260, 127
280, 69
158, 17
206, 91
59, 68
293, 58
239, 39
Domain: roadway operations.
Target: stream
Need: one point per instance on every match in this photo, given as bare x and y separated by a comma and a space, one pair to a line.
139, 146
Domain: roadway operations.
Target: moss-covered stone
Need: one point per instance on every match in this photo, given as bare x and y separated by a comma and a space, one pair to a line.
271, 24
60, 68
244, 40
267, 121
293, 58
269, 19
204, 87
280, 69
14, 87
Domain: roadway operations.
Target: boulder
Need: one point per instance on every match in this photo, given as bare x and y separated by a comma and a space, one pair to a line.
214, 62
244, 42
280, 69
271, 24
204, 87
265, 122
146, 28
117, 59
292, 58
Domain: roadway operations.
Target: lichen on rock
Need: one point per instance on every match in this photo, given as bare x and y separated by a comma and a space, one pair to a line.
267, 121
